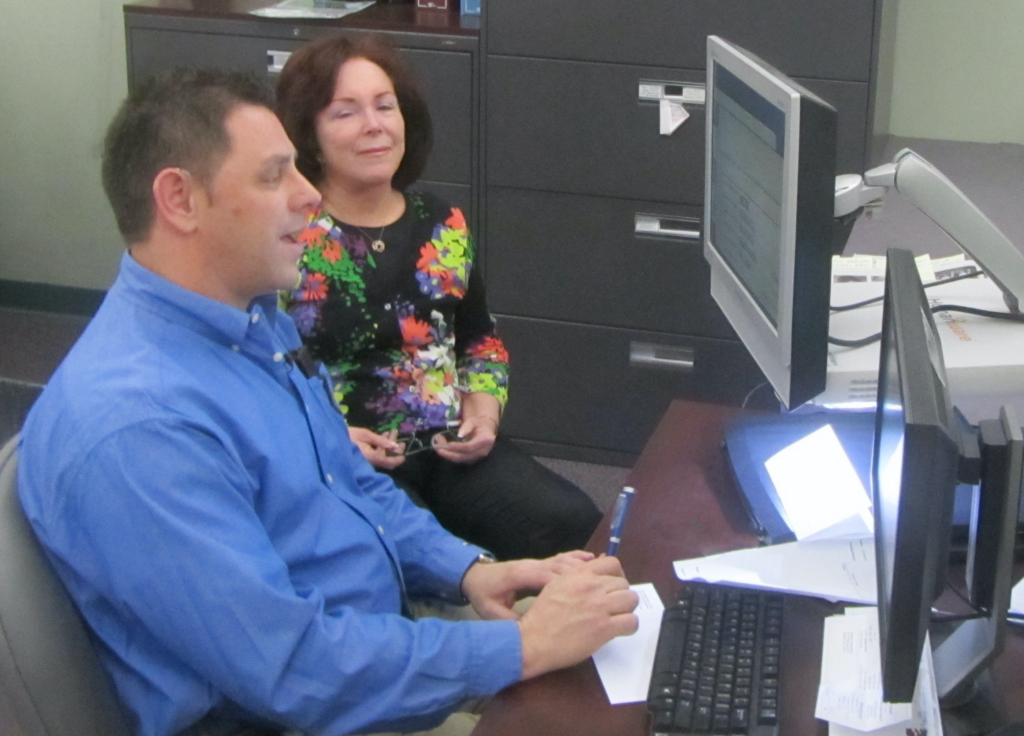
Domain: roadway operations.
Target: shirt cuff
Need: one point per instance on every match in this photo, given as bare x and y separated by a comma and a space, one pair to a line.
497, 648
457, 562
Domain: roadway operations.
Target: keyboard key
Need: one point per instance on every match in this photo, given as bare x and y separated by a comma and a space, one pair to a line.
662, 719
740, 718
702, 718
767, 717
683, 715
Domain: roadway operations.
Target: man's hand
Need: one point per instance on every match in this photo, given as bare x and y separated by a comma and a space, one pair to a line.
493, 589
378, 448
575, 615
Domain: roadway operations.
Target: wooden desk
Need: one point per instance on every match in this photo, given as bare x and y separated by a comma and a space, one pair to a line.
687, 506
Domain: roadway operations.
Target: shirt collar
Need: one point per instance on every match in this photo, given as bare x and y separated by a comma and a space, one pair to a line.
217, 320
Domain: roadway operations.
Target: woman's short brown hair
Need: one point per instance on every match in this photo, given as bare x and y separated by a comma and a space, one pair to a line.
306, 88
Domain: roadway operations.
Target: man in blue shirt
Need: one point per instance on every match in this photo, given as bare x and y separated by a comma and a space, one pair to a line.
194, 486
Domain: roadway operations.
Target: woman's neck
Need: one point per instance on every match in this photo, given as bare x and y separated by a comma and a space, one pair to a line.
365, 206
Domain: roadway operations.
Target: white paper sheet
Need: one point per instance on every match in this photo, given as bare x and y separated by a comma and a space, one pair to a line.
833, 569
625, 663
850, 690
313, 8
671, 115
821, 494
1017, 602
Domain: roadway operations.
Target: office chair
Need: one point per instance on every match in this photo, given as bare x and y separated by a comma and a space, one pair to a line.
51, 683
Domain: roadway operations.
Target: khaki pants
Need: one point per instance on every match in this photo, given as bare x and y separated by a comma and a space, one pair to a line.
464, 721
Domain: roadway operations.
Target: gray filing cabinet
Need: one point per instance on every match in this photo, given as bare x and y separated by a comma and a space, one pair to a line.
442, 49
593, 219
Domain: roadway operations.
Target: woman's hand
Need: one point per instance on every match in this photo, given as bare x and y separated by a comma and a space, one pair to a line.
477, 432
380, 450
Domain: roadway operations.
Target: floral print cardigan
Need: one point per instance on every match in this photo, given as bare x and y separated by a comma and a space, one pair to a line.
402, 331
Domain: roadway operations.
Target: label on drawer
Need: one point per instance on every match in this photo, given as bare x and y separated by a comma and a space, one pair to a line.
655, 91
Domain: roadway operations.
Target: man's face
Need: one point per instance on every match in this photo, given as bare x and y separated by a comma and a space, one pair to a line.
254, 209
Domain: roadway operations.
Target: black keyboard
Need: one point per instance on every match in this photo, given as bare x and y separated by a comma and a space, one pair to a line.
716, 669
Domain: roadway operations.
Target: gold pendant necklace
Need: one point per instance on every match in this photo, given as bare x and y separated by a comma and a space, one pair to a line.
376, 244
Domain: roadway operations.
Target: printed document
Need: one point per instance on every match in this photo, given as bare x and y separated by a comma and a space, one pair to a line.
833, 569
850, 691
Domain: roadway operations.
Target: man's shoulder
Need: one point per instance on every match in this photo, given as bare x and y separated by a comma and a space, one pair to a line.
121, 371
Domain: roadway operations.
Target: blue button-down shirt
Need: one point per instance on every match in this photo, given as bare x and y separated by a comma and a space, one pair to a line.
227, 544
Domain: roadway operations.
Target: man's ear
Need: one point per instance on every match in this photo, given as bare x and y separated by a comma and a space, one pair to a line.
175, 194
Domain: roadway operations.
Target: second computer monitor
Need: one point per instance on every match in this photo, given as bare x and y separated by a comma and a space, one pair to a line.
914, 474
768, 215
916, 463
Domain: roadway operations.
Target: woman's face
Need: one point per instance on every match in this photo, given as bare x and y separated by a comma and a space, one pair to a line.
361, 132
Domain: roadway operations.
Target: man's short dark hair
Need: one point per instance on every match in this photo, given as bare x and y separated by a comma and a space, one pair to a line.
172, 120
306, 88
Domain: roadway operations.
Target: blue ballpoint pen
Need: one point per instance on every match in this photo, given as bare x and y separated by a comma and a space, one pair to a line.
619, 515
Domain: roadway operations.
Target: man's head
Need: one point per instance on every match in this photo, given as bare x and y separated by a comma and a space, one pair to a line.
202, 180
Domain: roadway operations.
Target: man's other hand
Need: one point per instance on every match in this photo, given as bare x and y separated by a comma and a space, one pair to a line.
493, 589
575, 614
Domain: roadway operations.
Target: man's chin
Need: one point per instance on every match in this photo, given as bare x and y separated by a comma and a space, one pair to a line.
289, 280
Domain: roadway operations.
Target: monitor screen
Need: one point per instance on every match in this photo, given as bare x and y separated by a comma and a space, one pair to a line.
768, 215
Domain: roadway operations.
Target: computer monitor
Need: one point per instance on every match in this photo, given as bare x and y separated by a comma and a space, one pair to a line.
915, 468
769, 200
914, 474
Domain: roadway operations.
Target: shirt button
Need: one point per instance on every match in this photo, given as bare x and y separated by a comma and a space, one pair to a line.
255, 317
380, 529
278, 357
235, 348
387, 307
330, 478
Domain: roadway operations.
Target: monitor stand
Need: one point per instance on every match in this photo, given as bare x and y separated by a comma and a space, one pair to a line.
979, 715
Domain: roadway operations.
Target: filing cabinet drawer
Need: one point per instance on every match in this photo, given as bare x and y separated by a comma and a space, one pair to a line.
445, 79
829, 39
601, 261
582, 128
605, 388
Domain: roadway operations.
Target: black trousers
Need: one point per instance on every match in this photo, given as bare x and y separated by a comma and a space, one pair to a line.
507, 503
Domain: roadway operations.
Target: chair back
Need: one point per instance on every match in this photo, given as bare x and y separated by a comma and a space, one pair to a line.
51, 682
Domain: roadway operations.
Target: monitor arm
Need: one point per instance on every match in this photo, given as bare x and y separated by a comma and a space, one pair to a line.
946, 206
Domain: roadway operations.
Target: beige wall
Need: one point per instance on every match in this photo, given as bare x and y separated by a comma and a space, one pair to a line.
62, 75
959, 68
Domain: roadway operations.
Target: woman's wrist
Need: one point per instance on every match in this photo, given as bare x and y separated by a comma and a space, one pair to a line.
488, 417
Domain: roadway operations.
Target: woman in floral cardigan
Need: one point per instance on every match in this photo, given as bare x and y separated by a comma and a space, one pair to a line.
391, 301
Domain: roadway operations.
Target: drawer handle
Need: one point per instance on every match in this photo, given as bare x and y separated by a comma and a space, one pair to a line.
276, 60
680, 228
685, 93
669, 357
